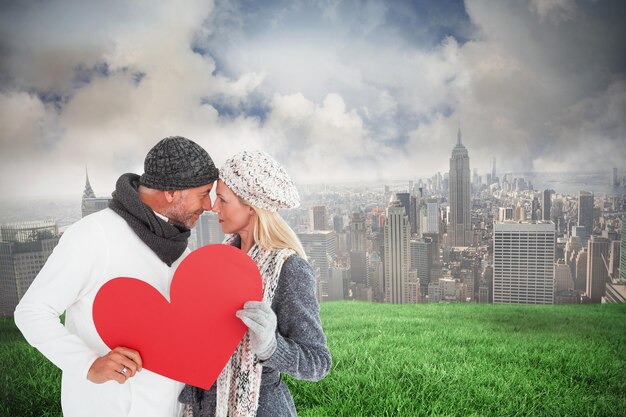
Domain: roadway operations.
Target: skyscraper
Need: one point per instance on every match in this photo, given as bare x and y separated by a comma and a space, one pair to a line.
90, 203
493, 171
338, 223
358, 268
337, 276
580, 282
585, 211
622, 253
405, 200
546, 204
597, 268
318, 218
397, 252
357, 232
24, 249
535, 213
414, 214
460, 221
432, 218
563, 276
320, 248
505, 213
523, 270
421, 261
208, 229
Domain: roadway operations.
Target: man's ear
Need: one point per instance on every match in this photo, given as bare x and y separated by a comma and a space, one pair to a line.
170, 195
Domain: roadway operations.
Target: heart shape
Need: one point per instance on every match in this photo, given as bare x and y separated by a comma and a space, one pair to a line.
190, 338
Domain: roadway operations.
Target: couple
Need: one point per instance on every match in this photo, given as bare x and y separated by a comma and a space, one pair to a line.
143, 234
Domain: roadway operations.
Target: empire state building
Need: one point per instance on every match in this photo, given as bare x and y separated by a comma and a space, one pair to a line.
460, 220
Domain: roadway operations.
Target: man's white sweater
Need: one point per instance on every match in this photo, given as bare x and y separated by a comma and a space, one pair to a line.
92, 251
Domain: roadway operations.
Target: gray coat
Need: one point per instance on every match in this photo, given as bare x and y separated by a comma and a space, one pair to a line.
301, 349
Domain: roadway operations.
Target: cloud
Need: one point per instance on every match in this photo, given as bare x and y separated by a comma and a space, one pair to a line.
336, 90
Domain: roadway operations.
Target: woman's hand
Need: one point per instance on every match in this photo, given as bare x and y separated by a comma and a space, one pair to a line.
261, 320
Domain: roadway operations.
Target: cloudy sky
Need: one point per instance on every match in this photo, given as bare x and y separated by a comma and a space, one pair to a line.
336, 90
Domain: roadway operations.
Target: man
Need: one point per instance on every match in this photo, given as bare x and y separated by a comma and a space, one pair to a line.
143, 234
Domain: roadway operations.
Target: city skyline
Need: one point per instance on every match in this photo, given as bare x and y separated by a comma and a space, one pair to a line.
340, 92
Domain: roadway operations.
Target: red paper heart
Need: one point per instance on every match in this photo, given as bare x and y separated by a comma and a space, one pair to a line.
191, 338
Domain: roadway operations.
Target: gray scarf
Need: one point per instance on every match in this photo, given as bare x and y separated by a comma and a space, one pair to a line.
166, 240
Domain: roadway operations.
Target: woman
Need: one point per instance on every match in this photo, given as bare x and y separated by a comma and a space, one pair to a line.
285, 333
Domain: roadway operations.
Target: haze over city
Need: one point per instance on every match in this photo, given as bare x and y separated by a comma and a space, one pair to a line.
337, 90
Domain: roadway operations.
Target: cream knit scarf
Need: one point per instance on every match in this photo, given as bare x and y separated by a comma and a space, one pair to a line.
239, 383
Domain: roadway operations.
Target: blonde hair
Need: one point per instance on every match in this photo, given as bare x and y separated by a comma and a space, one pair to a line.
272, 232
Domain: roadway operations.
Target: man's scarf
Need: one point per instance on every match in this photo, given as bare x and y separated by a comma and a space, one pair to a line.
166, 240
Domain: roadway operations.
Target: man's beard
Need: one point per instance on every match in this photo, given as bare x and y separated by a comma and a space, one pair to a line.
178, 217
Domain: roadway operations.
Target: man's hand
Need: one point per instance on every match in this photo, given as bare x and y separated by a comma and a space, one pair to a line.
261, 320
119, 364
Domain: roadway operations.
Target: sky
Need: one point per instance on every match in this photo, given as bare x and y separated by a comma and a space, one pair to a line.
337, 91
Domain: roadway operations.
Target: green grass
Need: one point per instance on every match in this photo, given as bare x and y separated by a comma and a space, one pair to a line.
412, 360
29, 384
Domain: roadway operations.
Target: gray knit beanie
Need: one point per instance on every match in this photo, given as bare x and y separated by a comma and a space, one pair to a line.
177, 163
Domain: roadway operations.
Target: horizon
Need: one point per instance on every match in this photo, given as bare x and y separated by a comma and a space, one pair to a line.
359, 183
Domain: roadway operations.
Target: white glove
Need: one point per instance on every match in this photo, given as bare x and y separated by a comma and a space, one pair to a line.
261, 321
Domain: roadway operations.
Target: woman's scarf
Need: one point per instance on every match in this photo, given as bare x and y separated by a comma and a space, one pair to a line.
239, 383
166, 240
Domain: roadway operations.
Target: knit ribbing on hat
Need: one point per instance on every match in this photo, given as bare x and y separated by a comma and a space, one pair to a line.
260, 180
177, 163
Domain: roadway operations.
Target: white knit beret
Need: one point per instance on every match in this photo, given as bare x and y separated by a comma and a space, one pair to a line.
260, 180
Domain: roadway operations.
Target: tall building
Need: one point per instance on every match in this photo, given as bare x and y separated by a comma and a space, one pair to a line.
208, 229
376, 277
622, 253
546, 204
493, 171
614, 255
580, 232
459, 221
505, 214
614, 180
318, 218
405, 201
563, 276
523, 270
24, 249
585, 211
535, 213
597, 268
580, 282
397, 252
338, 223
414, 214
337, 278
321, 249
432, 218
357, 232
412, 288
358, 267
421, 261
90, 203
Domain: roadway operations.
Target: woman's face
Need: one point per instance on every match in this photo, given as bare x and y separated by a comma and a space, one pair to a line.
234, 216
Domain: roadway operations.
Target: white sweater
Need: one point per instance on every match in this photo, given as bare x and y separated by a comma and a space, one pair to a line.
92, 251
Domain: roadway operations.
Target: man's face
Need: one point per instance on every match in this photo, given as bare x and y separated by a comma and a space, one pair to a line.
188, 205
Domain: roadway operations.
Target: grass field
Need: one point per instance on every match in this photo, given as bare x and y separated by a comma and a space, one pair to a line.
413, 360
